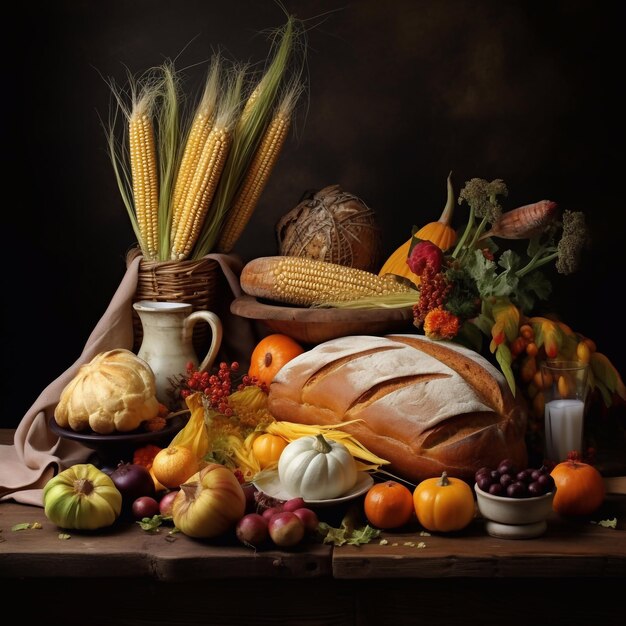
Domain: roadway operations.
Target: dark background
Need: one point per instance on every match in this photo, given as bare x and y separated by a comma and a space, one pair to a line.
401, 92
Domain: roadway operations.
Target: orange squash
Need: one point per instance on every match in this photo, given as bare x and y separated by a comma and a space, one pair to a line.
440, 233
267, 449
444, 504
270, 354
388, 505
580, 488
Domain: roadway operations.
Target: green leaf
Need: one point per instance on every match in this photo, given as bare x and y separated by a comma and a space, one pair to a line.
507, 313
151, 524
351, 531
607, 523
509, 260
503, 356
23, 526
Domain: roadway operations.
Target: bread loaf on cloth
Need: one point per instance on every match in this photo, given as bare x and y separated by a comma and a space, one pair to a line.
425, 406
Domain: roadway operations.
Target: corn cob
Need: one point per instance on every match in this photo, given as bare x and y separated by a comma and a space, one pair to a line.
203, 186
365, 459
524, 222
196, 139
257, 175
145, 180
308, 282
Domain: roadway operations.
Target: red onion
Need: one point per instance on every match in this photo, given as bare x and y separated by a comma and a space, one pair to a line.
252, 530
133, 481
286, 529
145, 506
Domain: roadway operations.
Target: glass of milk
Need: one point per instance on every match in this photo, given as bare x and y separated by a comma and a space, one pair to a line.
565, 390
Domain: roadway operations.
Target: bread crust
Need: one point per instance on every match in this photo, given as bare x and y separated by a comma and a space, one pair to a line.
424, 406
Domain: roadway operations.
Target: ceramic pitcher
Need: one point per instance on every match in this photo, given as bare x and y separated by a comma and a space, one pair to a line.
167, 341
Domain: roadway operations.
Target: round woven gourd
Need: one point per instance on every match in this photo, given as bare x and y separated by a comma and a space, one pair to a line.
332, 225
192, 281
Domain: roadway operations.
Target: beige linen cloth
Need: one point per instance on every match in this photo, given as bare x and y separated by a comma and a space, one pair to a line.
37, 453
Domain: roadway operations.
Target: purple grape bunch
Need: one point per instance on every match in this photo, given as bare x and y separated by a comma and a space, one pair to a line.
510, 482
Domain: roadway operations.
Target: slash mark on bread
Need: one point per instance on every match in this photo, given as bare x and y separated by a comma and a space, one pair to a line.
388, 386
331, 367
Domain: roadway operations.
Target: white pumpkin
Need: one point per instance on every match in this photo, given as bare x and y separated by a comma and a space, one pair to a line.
315, 468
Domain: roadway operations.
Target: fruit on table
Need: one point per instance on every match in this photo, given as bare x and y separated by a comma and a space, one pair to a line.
209, 503
133, 481
508, 481
580, 487
444, 504
173, 465
388, 505
316, 468
270, 354
82, 497
267, 448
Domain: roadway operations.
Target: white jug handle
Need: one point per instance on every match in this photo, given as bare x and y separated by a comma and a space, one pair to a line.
216, 335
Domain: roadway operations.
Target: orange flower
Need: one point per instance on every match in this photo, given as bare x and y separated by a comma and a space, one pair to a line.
441, 324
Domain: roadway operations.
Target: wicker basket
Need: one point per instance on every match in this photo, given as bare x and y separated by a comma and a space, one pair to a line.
195, 282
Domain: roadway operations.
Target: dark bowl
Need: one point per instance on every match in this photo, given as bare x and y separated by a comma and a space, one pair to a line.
312, 325
111, 449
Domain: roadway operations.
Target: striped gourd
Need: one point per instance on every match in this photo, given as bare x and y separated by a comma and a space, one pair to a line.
201, 191
308, 282
257, 174
145, 178
201, 126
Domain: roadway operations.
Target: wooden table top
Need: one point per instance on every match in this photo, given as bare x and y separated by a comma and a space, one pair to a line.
568, 548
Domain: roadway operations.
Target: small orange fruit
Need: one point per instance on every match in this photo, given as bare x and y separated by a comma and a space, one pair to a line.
388, 505
173, 465
270, 354
267, 449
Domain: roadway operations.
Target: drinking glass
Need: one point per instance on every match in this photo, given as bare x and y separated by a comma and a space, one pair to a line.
565, 391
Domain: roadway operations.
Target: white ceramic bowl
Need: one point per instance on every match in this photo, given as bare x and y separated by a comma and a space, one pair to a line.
514, 517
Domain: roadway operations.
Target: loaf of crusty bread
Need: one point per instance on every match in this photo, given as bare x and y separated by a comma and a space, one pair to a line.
425, 406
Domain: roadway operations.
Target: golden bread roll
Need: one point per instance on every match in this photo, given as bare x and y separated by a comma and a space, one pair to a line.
115, 391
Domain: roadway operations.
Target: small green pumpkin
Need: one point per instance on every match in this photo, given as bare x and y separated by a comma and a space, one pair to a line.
82, 497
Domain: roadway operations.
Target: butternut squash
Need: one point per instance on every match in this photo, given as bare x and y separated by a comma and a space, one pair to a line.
439, 232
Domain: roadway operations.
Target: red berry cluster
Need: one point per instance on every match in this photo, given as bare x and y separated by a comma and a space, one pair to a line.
434, 289
217, 387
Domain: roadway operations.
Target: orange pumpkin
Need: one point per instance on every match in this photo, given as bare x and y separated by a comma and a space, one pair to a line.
580, 488
270, 354
444, 504
388, 505
267, 449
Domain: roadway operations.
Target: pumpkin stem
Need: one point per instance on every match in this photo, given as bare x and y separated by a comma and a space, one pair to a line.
448, 210
443, 481
83, 486
190, 490
321, 445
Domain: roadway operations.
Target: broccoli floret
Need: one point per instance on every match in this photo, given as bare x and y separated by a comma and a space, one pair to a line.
572, 242
482, 197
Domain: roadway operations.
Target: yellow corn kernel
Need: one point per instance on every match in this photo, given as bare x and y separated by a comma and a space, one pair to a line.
254, 183
145, 179
203, 121
196, 140
201, 191
308, 282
